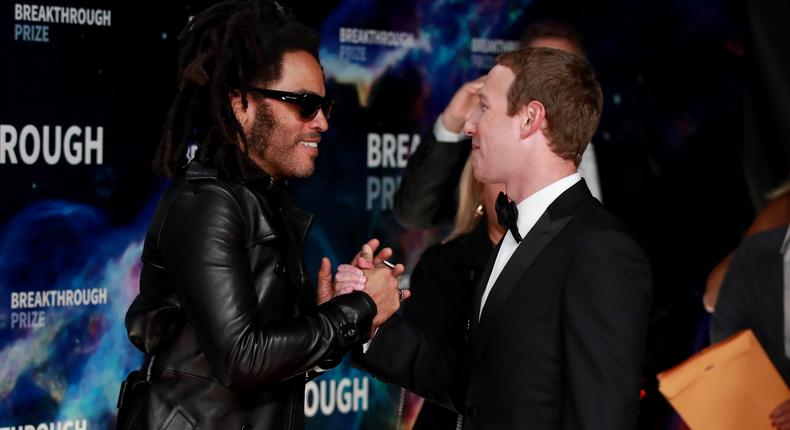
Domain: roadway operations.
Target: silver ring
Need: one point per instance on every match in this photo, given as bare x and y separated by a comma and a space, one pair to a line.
400, 295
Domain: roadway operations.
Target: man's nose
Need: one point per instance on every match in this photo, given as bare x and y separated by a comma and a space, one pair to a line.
320, 123
469, 126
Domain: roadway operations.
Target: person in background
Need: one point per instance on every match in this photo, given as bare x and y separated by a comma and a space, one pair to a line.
776, 213
755, 294
427, 196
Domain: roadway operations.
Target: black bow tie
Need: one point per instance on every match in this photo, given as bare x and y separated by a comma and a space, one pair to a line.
507, 215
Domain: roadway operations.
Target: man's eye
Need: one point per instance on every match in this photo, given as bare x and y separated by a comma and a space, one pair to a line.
483, 107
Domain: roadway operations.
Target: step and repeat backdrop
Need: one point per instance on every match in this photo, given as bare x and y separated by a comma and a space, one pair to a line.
85, 87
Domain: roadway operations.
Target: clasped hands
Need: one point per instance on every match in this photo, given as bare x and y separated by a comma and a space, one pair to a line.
368, 274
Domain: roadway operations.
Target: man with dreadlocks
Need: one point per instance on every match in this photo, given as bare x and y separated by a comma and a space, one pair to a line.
229, 326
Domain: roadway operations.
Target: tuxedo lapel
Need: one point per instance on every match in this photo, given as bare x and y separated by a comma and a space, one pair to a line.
527, 251
548, 226
481, 286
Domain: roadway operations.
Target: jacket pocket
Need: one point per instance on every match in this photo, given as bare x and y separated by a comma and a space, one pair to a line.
179, 419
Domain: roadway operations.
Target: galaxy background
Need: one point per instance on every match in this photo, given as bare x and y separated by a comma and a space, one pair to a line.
677, 153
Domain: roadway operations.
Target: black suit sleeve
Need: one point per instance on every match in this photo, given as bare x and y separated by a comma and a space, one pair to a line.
428, 292
402, 355
732, 314
606, 305
427, 196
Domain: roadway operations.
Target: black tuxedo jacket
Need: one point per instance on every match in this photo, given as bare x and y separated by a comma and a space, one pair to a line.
561, 339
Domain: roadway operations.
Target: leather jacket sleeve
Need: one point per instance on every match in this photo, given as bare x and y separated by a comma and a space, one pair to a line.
427, 196
203, 243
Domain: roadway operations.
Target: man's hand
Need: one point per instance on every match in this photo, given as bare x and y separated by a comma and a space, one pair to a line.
367, 251
461, 105
367, 273
324, 288
349, 278
780, 416
382, 287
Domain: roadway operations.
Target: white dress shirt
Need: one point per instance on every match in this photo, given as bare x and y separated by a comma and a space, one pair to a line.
529, 210
442, 134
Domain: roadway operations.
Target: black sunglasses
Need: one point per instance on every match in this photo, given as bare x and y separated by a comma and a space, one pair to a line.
308, 103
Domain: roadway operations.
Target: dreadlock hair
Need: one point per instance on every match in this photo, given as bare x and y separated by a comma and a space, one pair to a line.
225, 48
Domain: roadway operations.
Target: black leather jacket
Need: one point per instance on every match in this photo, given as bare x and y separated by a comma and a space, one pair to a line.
225, 309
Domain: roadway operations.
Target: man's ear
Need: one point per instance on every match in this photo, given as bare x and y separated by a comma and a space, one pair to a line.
533, 118
237, 104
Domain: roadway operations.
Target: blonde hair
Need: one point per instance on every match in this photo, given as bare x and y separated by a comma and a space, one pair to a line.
467, 215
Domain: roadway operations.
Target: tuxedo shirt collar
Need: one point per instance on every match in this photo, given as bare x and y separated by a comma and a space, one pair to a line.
531, 208
529, 211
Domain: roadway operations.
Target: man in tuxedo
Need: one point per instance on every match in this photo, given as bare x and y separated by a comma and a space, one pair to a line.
428, 193
557, 334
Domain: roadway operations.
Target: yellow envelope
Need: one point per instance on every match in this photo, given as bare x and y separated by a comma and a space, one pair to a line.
731, 385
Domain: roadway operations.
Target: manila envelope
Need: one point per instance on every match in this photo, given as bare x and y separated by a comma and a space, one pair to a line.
731, 385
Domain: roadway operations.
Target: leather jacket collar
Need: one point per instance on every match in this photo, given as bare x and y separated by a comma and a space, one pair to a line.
238, 165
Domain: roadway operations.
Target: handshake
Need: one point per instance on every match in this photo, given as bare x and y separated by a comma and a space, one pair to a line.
373, 275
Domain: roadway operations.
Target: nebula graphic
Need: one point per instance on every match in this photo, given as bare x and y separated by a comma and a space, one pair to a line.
71, 367
443, 30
